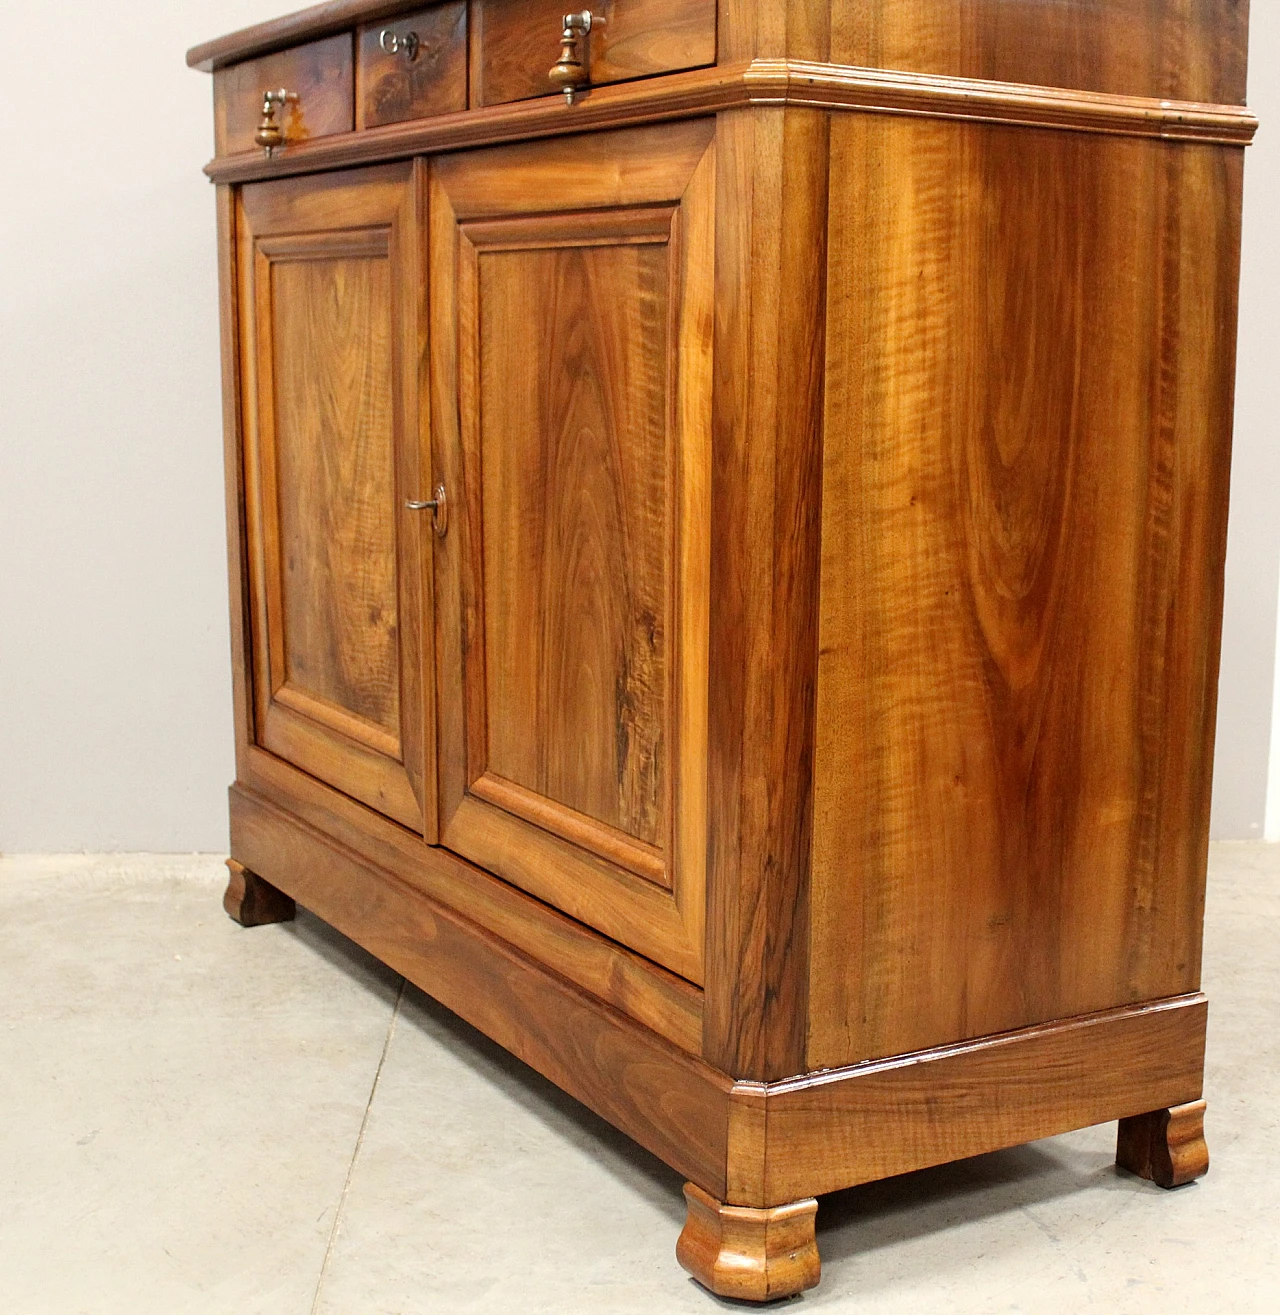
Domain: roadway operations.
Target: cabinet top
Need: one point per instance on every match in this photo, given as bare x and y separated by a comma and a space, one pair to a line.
1182, 50
304, 25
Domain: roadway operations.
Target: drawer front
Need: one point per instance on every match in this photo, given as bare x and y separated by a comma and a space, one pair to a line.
515, 42
412, 66
320, 74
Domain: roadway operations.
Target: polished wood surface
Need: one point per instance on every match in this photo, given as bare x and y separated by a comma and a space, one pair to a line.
1165, 1146
332, 449
1174, 49
746, 1254
572, 451
392, 86
1024, 524
253, 902
572, 389
514, 43
320, 75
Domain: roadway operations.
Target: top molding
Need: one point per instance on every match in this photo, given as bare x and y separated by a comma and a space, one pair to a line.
762, 82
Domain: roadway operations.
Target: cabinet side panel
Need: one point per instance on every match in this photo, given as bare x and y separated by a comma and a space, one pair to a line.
1179, 49
1030, 356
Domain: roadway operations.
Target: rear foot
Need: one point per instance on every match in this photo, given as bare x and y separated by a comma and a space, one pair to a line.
253, 902
1165, 1146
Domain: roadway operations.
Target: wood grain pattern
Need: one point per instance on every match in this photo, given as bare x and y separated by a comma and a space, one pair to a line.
335, 473
766, 495
572, 400
392, 88
320, 74
253, 902
1179, 49
670, 1102
773, 29
515, 42
874, 1120
747, 1254
332, 438
1165, 1146
573, 392
1024, 514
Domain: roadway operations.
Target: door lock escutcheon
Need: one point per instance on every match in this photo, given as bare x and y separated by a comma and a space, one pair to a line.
438, 507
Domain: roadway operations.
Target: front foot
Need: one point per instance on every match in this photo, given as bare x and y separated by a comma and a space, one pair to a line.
750, 1254
1166, 1146
253, 902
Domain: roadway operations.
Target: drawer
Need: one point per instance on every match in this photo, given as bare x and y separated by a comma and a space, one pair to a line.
412, 66
515, 42
320, 74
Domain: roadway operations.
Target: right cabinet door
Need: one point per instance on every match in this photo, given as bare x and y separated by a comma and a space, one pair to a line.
571, 335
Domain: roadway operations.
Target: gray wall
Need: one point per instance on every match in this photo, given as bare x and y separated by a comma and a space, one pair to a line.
115, 730
114, 671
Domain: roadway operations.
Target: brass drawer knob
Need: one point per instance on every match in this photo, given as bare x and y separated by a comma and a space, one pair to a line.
393, 43
270, 134
570, 71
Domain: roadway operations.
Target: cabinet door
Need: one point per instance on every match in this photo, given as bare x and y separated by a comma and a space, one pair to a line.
571, 312
331, 312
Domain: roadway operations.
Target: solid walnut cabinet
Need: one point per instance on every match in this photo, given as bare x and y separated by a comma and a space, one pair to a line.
726, 556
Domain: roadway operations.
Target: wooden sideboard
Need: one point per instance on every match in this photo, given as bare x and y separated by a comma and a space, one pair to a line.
727, 505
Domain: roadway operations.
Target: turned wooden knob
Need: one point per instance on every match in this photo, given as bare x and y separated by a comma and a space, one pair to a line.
570, 71
270, 134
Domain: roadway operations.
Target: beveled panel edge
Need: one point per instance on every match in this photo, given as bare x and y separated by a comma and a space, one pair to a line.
628, 982
761, 82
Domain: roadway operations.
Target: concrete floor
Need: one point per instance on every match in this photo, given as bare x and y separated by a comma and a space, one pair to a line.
198, 1119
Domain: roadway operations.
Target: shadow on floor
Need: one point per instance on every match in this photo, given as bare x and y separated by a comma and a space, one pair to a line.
344, 954
851, 1223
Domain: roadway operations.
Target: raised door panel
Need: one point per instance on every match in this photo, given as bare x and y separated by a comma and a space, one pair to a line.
571, 357
332, 449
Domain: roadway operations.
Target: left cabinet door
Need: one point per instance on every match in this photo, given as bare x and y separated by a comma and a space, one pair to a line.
331, 300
